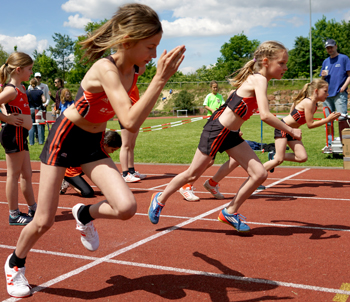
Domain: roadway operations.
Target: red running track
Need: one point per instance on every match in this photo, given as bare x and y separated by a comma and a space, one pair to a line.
298, 248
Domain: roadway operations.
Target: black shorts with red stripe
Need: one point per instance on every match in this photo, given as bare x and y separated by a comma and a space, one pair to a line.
282, 134
14, 139
216, 138
70, 146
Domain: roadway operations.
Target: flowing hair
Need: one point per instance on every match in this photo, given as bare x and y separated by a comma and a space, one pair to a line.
16, 59
131, 23
308, 90
268, 49
63, 95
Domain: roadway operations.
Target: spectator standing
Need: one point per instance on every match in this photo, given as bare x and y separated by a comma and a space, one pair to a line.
59, 84
45, 90
36, 98
336, 71
66, 100
214, 99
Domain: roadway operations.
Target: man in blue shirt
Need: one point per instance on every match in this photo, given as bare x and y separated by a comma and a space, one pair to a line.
336, 71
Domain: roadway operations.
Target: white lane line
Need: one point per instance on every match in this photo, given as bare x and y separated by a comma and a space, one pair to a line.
135, 245
194, 272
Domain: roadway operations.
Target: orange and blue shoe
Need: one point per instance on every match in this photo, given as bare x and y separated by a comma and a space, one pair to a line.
234, 220
155, 208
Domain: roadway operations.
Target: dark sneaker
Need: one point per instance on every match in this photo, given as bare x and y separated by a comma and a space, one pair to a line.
21, 219
271, 157
234, 220
155, 208
31, 213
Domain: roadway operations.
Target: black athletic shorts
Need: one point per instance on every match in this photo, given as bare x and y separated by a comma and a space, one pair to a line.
70, 146
216, 138
282, 134
14, 139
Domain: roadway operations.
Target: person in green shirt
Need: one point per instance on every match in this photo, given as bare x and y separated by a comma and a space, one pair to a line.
214, 99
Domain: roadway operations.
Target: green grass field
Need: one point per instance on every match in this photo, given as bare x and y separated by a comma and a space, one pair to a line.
177, 145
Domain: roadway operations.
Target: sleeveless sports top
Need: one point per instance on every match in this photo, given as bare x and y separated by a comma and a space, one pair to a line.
244, 107
299, 116
20, 104
95, 107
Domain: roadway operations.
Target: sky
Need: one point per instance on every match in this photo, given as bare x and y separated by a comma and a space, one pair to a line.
203, 26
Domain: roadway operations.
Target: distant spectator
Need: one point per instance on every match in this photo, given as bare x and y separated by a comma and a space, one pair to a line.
214, 99
66, 100
45, 90
36, 99
59, 84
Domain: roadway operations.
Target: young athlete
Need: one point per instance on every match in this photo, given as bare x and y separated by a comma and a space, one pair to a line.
211, 102
270, 61
302, 112
74, 176
14, 134
126, 154
76, 137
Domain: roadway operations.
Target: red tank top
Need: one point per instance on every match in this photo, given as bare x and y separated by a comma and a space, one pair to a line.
95, 107
299, 116
20, 104
243, 107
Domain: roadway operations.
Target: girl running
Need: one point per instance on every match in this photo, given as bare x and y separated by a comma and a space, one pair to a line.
14, 135
76, 138
302, 112
221, 132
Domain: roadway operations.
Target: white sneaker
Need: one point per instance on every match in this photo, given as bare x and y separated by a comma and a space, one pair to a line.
213, 190
64, 186
188, 194
89, 236
16, 282
131, 178
139, 175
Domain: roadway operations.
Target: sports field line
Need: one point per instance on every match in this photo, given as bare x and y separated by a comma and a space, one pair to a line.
137, 244
248, 221
185, 271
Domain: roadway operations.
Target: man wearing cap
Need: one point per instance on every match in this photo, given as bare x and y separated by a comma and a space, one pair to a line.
45, 89
336, 71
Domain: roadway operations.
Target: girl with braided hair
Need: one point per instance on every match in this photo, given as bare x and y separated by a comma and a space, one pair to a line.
302, 112
221, 132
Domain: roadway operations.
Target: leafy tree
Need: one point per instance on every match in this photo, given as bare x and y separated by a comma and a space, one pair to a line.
80, 64
62, 52
299, 60
3, 55
149, 73
46, 66
299, 56
184, 100
236, 53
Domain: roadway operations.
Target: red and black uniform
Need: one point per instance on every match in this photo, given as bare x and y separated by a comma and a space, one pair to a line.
12, 138
70, 146
299, 117
133, 93
217, 138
